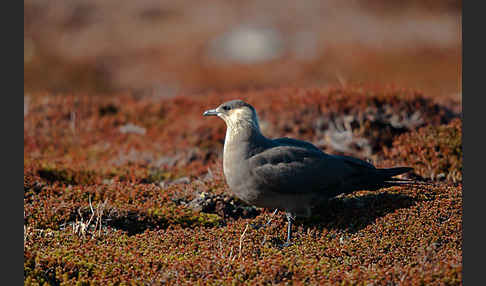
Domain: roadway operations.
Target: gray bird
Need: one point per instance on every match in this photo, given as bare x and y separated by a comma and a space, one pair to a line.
288, 174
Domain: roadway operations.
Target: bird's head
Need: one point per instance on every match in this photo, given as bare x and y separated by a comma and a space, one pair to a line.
236, 114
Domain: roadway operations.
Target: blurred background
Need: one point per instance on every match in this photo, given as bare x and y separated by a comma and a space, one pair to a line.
164, 48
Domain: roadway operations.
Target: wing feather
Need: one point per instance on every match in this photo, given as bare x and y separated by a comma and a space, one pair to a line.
295, 169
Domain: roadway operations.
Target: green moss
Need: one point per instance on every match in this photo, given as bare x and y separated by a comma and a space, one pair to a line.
206, 219
67, 176
156, 176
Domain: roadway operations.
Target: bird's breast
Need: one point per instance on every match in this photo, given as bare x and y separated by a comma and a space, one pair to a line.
237, 174
235, 168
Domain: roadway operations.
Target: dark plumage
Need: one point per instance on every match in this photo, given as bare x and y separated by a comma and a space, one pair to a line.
285, 173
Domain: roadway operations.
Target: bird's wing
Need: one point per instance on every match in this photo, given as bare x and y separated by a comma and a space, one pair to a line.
296, 169
355, 161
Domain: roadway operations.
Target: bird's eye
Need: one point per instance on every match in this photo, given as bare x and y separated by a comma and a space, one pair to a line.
226, 108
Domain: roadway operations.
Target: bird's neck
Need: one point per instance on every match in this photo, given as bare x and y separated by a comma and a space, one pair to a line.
241, 136
241, 129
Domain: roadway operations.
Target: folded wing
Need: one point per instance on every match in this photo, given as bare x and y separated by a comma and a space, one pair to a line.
294, 166
296, 169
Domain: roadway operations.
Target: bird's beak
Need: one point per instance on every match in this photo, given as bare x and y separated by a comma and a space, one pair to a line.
210, 112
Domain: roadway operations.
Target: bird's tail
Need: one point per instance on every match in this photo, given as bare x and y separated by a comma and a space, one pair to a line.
379, 178
387, 175
392, 172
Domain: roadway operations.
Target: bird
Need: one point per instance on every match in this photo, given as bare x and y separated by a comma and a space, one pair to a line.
288, 174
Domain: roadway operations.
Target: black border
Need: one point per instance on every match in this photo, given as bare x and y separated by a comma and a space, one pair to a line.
473, 129
12, 142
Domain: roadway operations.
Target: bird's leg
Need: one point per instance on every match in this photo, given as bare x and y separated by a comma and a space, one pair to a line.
290, 219
258, 226
267, 224
271, 217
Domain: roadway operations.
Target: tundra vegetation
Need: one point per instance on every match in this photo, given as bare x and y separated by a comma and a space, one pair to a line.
128, 190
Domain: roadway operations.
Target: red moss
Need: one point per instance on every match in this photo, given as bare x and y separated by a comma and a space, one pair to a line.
168, 216
434, 152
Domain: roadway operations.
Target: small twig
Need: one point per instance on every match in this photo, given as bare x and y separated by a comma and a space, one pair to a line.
92, 212
342, 81
79, 213
220, 246
100, 210
80, 226
231, 254
241, 240
210, 174
76, 226
25, 234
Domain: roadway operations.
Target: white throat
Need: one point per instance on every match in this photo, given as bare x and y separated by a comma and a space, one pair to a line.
238, 122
